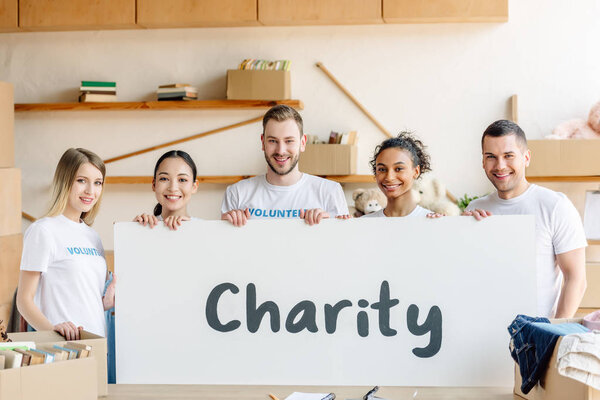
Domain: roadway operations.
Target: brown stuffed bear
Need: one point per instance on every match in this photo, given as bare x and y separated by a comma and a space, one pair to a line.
367, 201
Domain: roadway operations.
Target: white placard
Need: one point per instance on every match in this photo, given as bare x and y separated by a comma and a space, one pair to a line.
591, 215
454, 286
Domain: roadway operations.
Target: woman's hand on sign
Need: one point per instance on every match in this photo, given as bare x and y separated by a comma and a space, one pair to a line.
477, 213
237, 217
68, 330
345, 216
173, 221
313, 216
433, 215
146, 219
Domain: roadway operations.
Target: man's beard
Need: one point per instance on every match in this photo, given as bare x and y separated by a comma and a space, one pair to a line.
274, 169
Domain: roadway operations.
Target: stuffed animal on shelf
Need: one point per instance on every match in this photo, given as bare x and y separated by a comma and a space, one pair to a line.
367, 201
579, 128
3, 335
430, 193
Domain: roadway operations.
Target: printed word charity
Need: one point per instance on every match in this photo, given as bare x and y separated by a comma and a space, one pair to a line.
303, 316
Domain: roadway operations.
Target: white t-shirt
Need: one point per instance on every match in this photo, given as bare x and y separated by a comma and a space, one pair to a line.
70, 257
265, 200
417, 212
558, 229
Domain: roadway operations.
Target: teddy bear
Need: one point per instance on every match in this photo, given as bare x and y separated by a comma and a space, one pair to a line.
579, 128
367, 201
430, 193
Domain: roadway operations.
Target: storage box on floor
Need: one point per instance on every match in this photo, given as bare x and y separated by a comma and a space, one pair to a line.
329, 159
554, 386
258, 85
79, 379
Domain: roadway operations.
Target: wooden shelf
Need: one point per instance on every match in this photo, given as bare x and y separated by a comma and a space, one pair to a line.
587, 178
160, 105
592, 242
234, 178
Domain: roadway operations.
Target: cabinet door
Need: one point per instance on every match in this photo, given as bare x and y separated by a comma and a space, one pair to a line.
319, 12
420, 11
196, 13
9, 20
42, 15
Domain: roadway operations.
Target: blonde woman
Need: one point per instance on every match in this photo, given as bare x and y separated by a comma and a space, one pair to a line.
63, 270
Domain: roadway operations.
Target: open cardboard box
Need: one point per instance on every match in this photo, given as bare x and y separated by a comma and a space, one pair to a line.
258, 85
554, 386
329, 159
98, 355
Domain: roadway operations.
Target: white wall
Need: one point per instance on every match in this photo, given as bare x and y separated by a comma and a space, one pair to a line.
446, 82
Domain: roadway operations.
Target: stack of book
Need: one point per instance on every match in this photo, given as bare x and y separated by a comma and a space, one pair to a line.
177, 91
343, 138
97, 91
22, 354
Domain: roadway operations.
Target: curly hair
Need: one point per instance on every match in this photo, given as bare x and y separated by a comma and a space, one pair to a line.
405, 141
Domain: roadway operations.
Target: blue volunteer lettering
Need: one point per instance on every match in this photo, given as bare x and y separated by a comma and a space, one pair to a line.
273, 213
89, 251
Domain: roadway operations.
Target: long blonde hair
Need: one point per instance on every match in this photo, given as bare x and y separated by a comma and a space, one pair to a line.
64, 176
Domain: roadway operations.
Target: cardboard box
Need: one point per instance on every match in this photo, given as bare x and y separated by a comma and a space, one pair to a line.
329, 159
258, 85
98, 354
63, 380
574, 157
7, 124
10, 260
554, 386
10, 201
591, 298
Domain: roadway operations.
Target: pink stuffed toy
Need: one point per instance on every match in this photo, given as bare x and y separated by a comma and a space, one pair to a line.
578, 128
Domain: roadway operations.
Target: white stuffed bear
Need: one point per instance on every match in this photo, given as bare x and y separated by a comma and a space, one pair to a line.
579, 128
431, 194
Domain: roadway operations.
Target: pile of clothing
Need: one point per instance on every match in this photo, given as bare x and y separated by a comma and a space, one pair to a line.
578, 356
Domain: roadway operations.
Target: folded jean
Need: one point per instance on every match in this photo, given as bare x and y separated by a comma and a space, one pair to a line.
532, 343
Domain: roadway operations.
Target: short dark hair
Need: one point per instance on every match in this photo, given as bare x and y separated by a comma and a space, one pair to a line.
174, 154
504, 127
405, 141
282, 113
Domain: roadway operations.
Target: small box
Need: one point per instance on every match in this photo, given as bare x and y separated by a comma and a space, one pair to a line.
578, 157
98, 354
591, 297
329, 159
62, 380
10, 201
555, 386
258, 85
7, 123
11, 247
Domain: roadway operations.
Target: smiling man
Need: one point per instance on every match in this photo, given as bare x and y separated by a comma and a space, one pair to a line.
284, 192
559, 234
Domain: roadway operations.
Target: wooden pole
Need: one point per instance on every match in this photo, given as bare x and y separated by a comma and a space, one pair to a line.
186, 139
28, 217
356, 102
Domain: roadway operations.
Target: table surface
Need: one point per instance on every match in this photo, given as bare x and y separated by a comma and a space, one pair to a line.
241, 392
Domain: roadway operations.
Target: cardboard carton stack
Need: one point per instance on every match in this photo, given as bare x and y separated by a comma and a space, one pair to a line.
11, 239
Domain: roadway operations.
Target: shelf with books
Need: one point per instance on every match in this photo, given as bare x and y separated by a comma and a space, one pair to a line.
159, 105
234, 178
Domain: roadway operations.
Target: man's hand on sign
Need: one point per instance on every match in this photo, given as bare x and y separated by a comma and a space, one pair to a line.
313, 216
237, 217
477, 213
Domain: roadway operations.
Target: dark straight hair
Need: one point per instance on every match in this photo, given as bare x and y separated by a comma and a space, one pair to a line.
504, 127
173, 154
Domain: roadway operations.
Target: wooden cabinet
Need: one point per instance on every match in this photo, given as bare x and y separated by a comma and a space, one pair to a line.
9, 15
427, 11
319, 12
45, 15
196, 13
